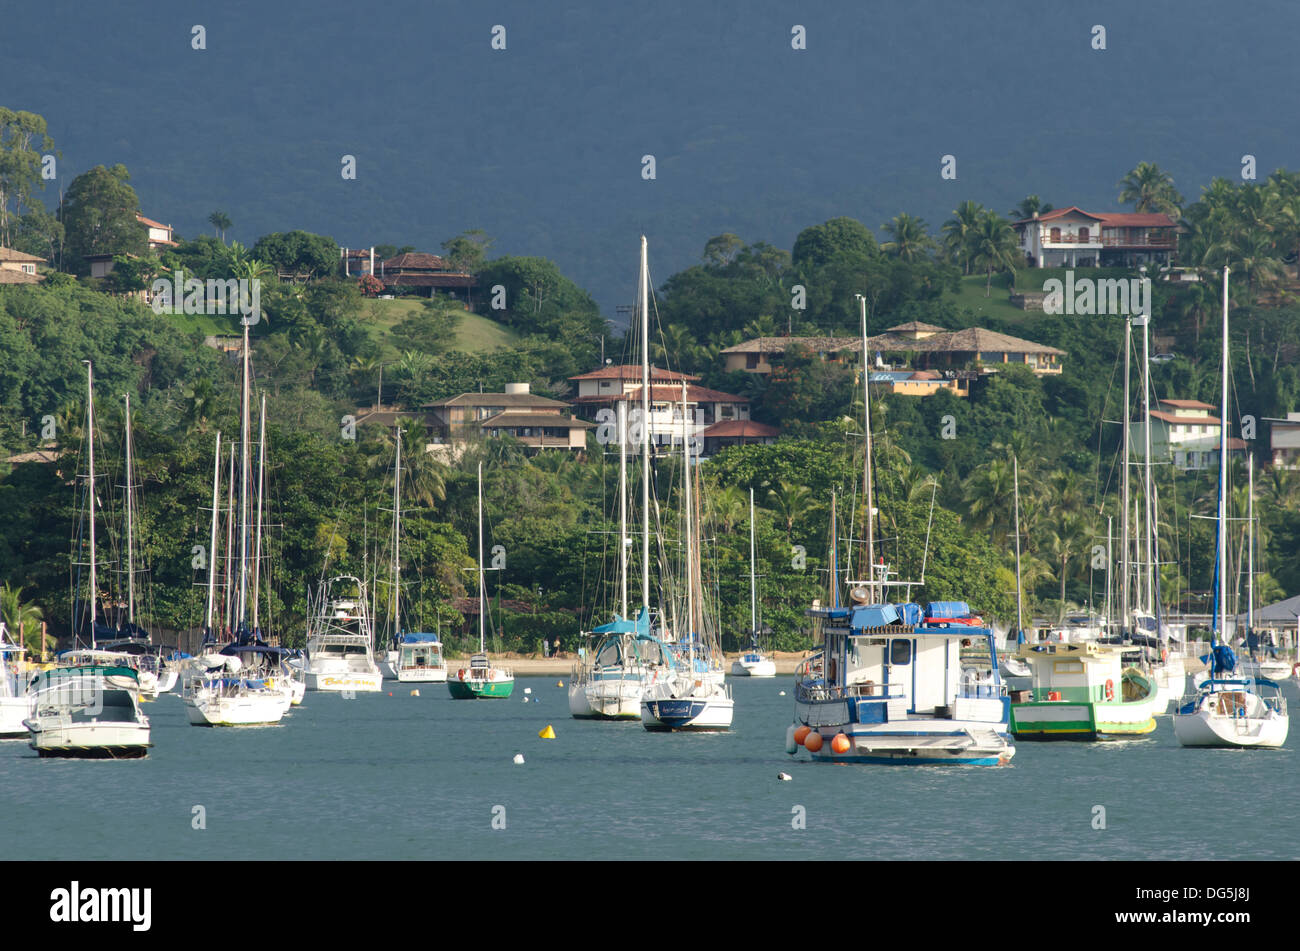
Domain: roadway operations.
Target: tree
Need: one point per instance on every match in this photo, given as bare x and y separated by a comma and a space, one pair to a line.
910, 241
1150, 189
994, 247
298, 252
99, 217
817, 245
22, 139
959, 232
23, 618
467, 251
1029, 207
370, 285
220, 222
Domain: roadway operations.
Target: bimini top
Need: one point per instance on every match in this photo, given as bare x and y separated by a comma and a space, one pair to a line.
625, 626
936, 613
419, 637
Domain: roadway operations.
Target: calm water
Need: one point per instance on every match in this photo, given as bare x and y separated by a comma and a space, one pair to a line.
383, 777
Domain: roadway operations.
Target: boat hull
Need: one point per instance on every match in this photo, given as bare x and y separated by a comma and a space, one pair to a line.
689, 713
422, 675
236, 711
952, 744
1081, 720
354, 681
762, 668
89, 740
13, 711
480, 689
606, 700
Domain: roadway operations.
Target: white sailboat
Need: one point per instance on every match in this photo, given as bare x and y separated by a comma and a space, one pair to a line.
14, 703
1229, 710
753, 662
625, 657
689, 699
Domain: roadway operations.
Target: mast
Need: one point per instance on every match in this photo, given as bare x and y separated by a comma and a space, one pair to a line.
130, 528
1110, 562
622, 504
1124, 526
645, 425
397, 539
1221, 541
212, 544
245, 481
261, 495
90, 435
1250, 547
482, 584
690, 531
835, 549
866, 462
230, 545
1020, 637
753, 581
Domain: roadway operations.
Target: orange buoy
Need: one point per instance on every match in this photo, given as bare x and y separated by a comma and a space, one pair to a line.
840, 744
812, 742
801, 734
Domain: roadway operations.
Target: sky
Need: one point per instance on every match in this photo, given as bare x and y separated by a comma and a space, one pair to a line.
541, 144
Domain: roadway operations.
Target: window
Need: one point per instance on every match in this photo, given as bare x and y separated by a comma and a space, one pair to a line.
900, 652
1083, 235
751, 361
1056, 235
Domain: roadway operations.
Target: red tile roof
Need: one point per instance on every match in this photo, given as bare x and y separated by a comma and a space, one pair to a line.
417, 260
1187, 404
151, 223
1058, 213
632, 371
1185, 420
1132, 220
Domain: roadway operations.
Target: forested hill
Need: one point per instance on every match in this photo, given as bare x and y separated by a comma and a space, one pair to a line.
542, 143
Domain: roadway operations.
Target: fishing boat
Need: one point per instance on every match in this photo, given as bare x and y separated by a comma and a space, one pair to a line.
419, 659
1229, 711
481, 679
340, 643
1082, 692
14, 703
753, 662
88, 712
688, 699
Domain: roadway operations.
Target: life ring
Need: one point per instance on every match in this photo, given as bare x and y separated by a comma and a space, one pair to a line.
1110, 690
460, 674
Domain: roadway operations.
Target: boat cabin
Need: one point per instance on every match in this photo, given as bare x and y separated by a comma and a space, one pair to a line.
1087, 671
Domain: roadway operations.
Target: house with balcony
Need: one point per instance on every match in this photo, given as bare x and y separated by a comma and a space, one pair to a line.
425, 274
601, 391
536, 421
1185, 433
1072, 237
1284, 441
160, 236
761, 354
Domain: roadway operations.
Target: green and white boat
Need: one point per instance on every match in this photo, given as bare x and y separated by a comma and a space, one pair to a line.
1082, 692
480, 679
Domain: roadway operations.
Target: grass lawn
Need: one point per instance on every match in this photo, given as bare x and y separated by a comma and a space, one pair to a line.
474, 333
997, 304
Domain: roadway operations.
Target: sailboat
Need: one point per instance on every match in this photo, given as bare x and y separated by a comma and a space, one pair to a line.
753, 662
81, 707
245, 681
418, 653
14, 703
481, 678
1015, 671
888, 685
688, 699
1228, 710
625, 657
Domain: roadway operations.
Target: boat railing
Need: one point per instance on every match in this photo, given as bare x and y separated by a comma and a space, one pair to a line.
813, 692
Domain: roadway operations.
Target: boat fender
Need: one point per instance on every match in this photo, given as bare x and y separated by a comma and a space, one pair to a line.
840, 744
801, 734
813, 742
1110, 690
790, 744
1164, 655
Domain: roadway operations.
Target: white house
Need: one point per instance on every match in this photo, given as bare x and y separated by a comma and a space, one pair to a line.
1072, 237
1284, 440
1183, 432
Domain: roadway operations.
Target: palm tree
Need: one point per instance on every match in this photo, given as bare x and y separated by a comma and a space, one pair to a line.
959, 230
789, 501
910, 237
988, 492
1065, 544
1150, 189
220, 222
994, 246
1030, 206
22, 618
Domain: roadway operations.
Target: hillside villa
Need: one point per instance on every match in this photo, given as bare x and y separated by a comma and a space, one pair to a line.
1284, 441
17, 267
536, 421
1183, 432
1072, 237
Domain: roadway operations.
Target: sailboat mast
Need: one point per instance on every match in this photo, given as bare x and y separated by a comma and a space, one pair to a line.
130, 528
1250, 547
482, 584
622, 504
1124, 527
866, 461
230, 544
1221, 554
644, 304
397, 539
690, 531
261, 497
1148, 495
212, 543
753, 581
90, 436
245, 480
1015, 468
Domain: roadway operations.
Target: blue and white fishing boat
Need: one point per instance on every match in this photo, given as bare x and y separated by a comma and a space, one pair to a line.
1227, 710
888, 685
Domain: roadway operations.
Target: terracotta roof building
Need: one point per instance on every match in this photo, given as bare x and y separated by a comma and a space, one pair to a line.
1185, 433
1072, 237
426, 273
537, 421
18, 267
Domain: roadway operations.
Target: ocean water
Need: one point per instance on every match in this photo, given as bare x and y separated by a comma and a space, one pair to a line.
402, 777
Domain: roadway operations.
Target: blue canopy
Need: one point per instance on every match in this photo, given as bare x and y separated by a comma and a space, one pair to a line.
875, 615
624, 626
948, 609
419, 637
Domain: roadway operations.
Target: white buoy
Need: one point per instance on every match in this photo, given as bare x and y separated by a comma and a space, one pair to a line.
519, 759
528, 690
525, 699
784, 777
783, 693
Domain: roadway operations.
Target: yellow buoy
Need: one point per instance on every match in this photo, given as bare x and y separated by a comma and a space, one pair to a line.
415, 693
559, 683
548, 733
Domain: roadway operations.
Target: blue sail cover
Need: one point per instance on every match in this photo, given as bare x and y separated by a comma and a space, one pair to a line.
1225, 661
625, 626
